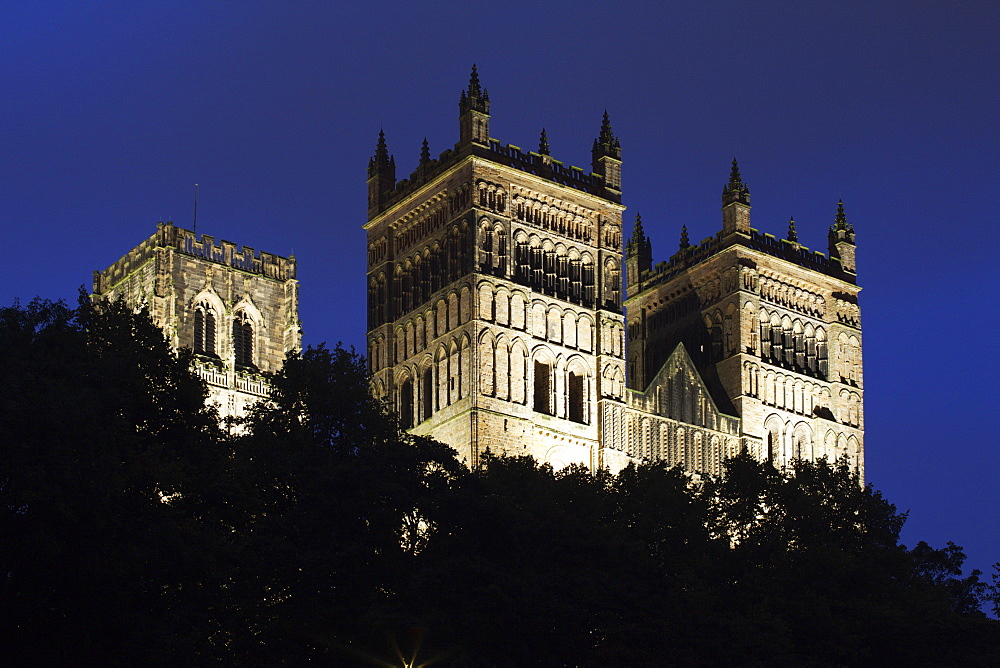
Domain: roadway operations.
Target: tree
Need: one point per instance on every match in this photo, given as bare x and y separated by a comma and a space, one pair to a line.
134, 530
342, 498
109, 542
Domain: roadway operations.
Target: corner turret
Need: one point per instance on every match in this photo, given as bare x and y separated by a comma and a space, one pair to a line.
638, 254
607, 159
735, 204
841, 240
381, 175
474, 113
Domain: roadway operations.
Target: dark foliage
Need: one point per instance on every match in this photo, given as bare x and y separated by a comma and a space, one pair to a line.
108, 459
133, 530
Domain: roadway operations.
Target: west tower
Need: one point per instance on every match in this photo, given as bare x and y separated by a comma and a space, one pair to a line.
495, 306
772, 327
235, 308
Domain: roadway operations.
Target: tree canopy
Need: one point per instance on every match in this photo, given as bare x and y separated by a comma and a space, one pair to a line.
134, 529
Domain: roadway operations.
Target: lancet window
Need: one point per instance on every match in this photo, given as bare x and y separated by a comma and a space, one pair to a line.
576, 391
243, 340
204, 329
543, 388
427, 398
406, 403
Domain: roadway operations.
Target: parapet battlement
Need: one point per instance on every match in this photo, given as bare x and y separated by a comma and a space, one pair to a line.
603, 181
187, 242
510, 155
767, 243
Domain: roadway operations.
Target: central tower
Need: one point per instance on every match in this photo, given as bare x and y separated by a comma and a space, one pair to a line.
494, 292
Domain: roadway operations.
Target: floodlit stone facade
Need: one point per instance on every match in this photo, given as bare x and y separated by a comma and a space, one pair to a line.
773, 328
235, 308
497, 320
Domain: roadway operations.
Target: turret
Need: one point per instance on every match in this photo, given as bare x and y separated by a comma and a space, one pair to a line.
842, 240
381, 175
638, 254
735, 204
474, 113
607, 159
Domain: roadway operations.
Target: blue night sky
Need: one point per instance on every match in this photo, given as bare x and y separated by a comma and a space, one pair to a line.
113, 111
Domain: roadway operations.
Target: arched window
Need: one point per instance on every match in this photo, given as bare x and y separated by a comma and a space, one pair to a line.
204, 329
612, 285
576, 392
501, 249
486, 248
406, 403
243, 341
588, 282
821, 353
427, 395
543, 388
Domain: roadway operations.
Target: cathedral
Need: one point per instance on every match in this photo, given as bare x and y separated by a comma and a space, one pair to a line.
506, 313
497, 319
235, 308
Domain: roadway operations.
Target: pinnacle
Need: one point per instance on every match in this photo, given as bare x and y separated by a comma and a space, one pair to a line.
840, 221
381, 160
734, 175
606, 136
475, 96
735, 190
793, 235
543, 143
474, 87
425, 152
685, 241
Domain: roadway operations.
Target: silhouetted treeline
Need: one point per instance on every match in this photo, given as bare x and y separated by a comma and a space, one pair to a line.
134, 529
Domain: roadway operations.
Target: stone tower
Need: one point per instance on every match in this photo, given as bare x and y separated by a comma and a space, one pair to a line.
236, 309
772, 327
494, 292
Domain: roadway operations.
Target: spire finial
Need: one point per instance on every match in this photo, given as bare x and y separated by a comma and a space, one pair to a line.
840, 221
685, 242
606, 136
607, 144
474, 88
543, 143
638, 249
735, 190
792, 234
637, 230
475, 96
382, 160
425, 153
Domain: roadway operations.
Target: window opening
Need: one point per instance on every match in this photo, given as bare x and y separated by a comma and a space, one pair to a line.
543, 388
576, 397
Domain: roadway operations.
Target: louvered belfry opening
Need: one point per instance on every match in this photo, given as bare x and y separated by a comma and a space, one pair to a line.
243, 342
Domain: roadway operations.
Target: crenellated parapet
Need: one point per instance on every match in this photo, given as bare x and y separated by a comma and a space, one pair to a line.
691, 256
187, 242
385, 191
510, 155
